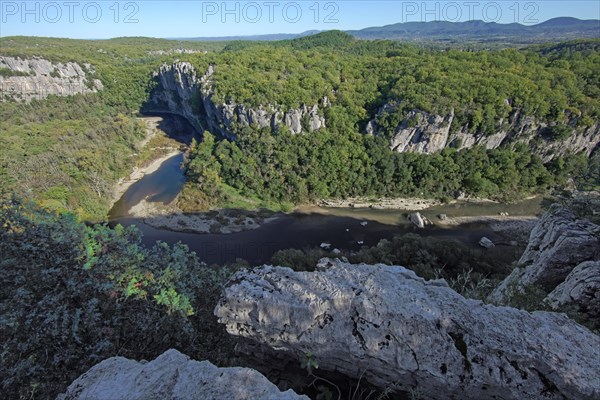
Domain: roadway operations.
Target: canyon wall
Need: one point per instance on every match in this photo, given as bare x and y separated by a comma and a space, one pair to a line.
37, 78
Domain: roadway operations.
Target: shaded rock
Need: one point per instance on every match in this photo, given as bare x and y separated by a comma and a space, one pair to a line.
580, 289
487, 243
443, 217
557, 244
171, 376
388, 325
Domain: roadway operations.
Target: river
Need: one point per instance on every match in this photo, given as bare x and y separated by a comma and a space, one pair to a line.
309, 226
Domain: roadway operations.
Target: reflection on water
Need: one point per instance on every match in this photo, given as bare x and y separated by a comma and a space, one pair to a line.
161, 186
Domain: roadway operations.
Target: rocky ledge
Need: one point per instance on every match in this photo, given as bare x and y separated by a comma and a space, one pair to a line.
37, 78
388, 326
171, 376
558, 244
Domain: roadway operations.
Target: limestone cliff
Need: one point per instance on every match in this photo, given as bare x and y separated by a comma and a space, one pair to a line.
422, 132
389, 327
181, 90
37, 78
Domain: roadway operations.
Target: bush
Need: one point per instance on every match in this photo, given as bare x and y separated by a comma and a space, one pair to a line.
74, 295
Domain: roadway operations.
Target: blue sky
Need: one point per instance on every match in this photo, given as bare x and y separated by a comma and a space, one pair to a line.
192, 18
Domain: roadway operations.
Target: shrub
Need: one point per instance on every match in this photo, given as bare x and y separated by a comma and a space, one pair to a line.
74, 295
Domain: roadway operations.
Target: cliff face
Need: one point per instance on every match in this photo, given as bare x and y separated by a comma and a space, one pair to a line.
422, 132
37, 78
182, 91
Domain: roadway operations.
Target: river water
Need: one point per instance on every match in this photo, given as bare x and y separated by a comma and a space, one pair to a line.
343, 228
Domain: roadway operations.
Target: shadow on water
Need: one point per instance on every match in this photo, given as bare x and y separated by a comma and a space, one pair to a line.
301, 231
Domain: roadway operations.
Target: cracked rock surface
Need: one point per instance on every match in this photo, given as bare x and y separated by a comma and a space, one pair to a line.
171, 376
390, 326
557, 244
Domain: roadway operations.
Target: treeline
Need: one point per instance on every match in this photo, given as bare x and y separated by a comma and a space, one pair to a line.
297, 168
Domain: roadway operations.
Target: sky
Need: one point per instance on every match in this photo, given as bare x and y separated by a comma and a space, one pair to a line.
101, 19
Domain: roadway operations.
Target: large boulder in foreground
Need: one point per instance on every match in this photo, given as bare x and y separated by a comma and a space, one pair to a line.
391, 327
171, 376
557, 244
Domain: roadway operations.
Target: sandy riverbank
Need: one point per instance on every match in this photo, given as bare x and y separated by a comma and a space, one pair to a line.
138, 173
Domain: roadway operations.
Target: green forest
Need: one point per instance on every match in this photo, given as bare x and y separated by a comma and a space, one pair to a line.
556, 84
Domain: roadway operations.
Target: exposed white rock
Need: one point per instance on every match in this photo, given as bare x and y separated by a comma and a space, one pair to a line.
181, 89
325, 245
171, 376
557, 244
388, 326
417, 219
423, 132
37, 78
581, 289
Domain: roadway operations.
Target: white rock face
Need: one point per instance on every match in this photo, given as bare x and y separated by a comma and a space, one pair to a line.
581, 288
171, 376
37, 78
557, 244
179, 84
389, 326
422, 132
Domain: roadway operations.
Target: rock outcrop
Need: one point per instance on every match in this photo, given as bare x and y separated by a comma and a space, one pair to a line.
581, 290
557, 244
37, 78
182, 91
422, 132
171, 376
390, 327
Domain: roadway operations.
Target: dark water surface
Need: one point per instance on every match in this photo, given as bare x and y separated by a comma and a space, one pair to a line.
300, 231
309, 228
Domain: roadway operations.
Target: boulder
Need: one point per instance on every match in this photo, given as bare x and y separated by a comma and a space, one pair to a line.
386, 325
417, 219
487, 243
580, 289
557, 244
171, 376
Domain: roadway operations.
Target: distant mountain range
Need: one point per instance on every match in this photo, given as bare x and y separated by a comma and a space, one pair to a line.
555, 29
